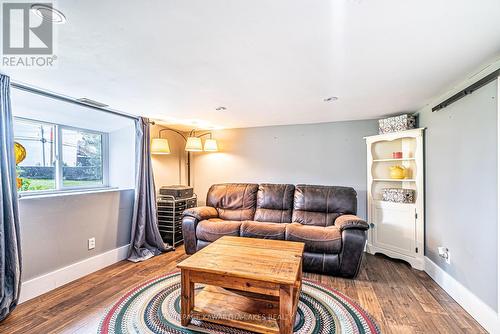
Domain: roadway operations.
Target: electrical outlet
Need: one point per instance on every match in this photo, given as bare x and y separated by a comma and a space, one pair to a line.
445, 254
91, 243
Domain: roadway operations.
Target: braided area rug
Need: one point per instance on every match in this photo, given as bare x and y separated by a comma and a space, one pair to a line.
154, 307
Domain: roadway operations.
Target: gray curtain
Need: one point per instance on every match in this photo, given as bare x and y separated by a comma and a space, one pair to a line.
10, 245
146, 240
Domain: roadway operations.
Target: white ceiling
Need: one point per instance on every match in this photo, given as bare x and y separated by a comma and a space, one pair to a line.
268, 61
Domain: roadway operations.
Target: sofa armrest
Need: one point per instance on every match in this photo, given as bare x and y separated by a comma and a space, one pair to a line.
201, 212
190, 219
353, 245
347, 222
189, 234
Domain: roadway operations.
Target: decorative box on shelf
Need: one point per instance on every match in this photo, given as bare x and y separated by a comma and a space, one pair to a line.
398, 195
397, 123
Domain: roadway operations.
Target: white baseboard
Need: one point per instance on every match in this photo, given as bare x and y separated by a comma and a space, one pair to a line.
483, 314
44, 283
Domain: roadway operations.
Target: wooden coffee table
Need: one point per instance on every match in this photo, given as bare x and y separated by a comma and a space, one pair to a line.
251, 284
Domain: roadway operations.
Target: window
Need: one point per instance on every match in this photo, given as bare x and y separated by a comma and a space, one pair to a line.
81, 158
60, 157
38, 169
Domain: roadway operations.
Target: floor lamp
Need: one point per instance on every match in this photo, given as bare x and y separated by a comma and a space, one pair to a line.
193, 144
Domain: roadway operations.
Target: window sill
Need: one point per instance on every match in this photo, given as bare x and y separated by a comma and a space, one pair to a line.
73, 192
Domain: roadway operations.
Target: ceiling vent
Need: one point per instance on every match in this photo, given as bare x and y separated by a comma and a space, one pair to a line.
92, 102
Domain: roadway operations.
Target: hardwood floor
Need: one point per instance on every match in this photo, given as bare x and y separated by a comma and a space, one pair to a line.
400, 299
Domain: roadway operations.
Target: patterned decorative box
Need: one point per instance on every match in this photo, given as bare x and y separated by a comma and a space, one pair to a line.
397, 123
398, 195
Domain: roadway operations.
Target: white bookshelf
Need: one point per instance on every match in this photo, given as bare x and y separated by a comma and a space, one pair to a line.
396, 229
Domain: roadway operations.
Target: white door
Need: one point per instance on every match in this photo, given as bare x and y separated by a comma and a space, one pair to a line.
394, 227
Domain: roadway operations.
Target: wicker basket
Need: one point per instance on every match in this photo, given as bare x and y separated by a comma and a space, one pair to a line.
397, 123
398, 195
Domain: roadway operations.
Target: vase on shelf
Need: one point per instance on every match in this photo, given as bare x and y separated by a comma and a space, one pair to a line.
397, 172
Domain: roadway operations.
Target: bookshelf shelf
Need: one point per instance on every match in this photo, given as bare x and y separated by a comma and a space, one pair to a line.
392, 160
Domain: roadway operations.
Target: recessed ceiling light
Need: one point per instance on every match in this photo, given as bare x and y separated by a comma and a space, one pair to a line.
221, 108
48, 13
331, 99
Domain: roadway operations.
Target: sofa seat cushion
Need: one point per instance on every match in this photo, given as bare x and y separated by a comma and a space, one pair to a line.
263, 230
317, 239
215, 228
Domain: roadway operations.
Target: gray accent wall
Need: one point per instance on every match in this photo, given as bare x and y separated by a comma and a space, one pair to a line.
326, 153
55, 230
461, 190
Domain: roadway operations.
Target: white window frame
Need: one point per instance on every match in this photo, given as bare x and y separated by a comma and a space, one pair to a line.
58, 175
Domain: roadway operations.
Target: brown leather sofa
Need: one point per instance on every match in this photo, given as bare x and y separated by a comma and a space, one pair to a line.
322, 217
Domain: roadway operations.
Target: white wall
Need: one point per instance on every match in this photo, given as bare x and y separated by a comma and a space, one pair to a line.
122, 157
169, 169
327, 153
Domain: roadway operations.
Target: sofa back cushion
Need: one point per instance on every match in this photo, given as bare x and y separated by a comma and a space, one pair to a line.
321, 205
233, 201
274, 203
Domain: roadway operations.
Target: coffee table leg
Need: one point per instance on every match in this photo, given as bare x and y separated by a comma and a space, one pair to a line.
286, 309
187, 297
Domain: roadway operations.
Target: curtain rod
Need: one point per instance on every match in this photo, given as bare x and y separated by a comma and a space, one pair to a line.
68, 99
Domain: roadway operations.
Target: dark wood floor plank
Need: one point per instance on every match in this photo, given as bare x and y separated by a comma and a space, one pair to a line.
400, 299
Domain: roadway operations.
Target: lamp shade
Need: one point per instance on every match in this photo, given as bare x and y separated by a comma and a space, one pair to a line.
193, 144
210, 145
160, 146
